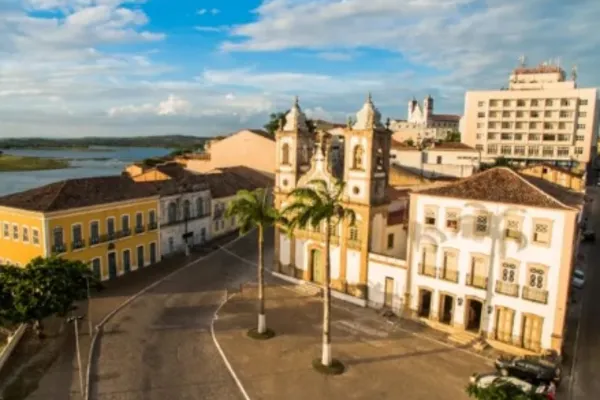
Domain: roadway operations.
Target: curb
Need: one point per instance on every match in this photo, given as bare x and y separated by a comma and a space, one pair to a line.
220, 350
99, 328
11, 345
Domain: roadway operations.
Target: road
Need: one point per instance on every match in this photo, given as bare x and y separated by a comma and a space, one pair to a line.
586, 380
160, 346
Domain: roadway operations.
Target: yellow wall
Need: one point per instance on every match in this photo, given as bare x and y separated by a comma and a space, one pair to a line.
556, 176
134, 170
67, 219
20, 251
150, 176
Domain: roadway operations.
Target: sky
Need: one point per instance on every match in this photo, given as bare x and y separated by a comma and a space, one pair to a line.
72, 68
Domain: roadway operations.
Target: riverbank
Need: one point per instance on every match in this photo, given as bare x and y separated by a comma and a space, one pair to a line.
10, 162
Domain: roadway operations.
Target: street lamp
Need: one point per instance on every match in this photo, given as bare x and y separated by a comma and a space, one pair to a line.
75, 320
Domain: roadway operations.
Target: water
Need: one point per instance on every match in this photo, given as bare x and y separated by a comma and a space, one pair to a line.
100, 162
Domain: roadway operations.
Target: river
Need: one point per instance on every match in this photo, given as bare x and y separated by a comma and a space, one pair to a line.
100, 162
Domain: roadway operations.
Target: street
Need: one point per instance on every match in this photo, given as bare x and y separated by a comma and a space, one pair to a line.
586, 381
160, 346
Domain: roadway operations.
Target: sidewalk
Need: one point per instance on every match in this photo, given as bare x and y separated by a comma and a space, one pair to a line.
382, 361
47, 369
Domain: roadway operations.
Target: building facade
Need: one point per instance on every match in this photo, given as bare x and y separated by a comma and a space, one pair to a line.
437, 160
493, 254
574, 180
422, 123
540, 117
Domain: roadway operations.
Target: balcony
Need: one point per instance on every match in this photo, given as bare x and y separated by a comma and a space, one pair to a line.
124, 232
139, 229
152, 226
507, 288
449, 275
477, 281
77, 244
535, 295
427, 270
94, 240
59, 248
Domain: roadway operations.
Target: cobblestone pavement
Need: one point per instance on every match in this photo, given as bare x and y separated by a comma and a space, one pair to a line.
382, 362
160, 347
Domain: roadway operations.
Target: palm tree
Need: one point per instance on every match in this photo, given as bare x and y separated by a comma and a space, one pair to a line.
253, 209
313, 205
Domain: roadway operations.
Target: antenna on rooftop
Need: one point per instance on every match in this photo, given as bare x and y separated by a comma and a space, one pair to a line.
522, 60
574, 73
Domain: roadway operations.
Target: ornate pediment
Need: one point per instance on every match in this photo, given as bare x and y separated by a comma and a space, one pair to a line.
319, 165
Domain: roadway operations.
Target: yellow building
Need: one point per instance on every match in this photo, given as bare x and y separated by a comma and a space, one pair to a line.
110, 222
564, 177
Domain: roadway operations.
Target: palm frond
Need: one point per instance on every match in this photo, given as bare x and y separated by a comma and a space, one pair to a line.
306, 194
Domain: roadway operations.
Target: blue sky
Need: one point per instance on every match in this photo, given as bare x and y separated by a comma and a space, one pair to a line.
144, 67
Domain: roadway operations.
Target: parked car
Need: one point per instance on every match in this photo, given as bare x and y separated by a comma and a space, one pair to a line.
543, 369
495, 379
578, 279
588, 235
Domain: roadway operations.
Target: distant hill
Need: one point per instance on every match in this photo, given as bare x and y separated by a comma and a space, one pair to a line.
168, 141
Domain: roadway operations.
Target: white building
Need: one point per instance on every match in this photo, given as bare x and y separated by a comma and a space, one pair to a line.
493, 254
184, 215
367, 258
438, 160
422, 123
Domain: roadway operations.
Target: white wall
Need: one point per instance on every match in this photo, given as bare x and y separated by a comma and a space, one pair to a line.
454, 163
494, 246
379, 270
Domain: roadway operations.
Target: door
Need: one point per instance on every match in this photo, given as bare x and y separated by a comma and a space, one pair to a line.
474, 309
140, 257
316, 265
424, 303
504, 324
389, 292
152, 253
112, 265
171, 245
532, 332
96, 268
127, 261
203, 235
446, 306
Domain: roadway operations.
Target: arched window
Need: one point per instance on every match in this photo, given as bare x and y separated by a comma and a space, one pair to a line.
357, 157
285, 153
172, 213
199, 206
186, 209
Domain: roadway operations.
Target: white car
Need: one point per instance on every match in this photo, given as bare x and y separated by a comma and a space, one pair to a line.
578, 279
495, 379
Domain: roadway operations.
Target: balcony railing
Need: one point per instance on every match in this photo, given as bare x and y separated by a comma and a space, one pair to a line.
534, 294
507, 288
139, 229
478, 281
449, 275
59, 248
427, 270
78, 244
152, 226
124, 232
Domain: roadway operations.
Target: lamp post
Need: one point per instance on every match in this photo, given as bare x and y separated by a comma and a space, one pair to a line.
89, 301
75, 320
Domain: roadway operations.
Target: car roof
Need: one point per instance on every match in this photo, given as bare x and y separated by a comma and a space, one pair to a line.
579, 272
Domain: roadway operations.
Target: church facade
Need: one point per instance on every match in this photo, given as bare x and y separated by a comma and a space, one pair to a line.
368, 258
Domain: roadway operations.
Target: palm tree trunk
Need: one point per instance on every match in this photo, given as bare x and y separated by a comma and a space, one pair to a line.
262, 319
326, 356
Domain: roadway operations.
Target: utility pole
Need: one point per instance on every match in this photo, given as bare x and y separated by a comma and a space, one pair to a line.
89, 300
75, 320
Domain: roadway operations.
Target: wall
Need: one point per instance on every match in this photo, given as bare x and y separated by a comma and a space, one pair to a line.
498, 249
221, 226
556, 176
380, 268
150, 176
18, 251
400, 232
66, 220
454, 163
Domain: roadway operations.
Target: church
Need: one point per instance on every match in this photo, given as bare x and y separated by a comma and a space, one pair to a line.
368, 258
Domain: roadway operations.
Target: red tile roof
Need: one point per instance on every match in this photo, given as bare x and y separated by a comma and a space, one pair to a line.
445, 117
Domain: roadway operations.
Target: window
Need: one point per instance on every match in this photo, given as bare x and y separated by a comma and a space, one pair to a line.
562, 152
533, 150
6, 230
452, 220
506, 136
509, 272
493, 103
506, 125
390, 241
563, 138
76, 236
492, 135
493, 114
520, 103
478, 136
564, 102
579, 138
513, 228
518, 136
542, 231
357, 157
548, 151
505, 150
125, 223
480, 115
353, 233
506, 103
479, 125
519, 125
534, 103
562, 125
200, 206
549, 138
139, 221
583, 102
480, 104
35, 236
548, 114
536, 278
519, 114
285, 154
533, 136
491, 124
548, 125
58, 236
26, 234
172, 212
94, 232
548, 103
532, 125
152, 217
439, 159
564, 114
519, 150
492, 149
578, 150
582, 114
481, 224
110, 226
479, 147
534, 114
187, 209
15, 232
580, 126
430, 216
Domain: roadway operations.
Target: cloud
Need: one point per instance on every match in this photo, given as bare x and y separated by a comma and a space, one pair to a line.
203, 11
335, 56
211, 28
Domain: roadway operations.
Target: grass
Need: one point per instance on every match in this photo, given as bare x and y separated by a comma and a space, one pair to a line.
20, 163
336, 367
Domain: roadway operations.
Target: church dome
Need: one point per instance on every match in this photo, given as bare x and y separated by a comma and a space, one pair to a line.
368, 117
295, 118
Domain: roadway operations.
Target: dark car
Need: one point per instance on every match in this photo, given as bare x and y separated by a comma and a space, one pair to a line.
494, 379
536, 369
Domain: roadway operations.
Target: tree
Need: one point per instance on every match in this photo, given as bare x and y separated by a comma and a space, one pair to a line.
315, 205
275, 119
505, 391
255, 210
45, 287
453, 136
